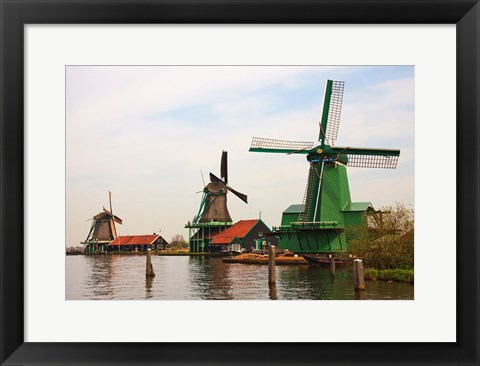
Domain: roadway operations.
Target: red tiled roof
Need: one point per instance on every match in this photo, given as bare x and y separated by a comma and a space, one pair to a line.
240, 229
120, 240
225, 239
134, 240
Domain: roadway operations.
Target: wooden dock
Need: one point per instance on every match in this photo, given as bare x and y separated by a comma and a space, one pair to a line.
263, 259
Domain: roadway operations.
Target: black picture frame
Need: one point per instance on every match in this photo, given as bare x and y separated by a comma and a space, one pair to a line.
15, 14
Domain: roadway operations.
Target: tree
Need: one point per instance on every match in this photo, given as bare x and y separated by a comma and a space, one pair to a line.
389, 240
391, 220
178, 241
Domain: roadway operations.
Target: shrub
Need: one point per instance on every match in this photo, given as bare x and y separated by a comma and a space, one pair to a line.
389, 241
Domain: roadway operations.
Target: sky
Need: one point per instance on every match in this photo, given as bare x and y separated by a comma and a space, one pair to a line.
147, 133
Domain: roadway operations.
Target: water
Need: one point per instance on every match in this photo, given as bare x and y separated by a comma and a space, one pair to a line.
208, 278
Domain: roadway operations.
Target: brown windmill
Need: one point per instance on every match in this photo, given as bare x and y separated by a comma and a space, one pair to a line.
213, 215
103, 230
214, 201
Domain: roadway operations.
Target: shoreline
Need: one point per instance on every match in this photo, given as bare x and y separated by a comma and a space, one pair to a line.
154, 252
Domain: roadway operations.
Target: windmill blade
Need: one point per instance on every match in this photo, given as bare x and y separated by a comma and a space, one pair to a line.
260, 144
332, 109
111, 213
367, 158
203, 179
110, 199
223, 167
215, 179
372, 161
242, 196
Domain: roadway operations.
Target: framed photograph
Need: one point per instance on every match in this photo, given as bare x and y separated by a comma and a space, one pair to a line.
204, 248
75, 75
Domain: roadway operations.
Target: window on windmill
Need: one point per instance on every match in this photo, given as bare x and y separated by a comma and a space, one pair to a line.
260, 233
216, 212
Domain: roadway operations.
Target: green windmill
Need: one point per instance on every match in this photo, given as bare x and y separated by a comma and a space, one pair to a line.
327, 219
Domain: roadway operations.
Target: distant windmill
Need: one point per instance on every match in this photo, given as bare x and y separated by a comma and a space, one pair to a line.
319, 224
213, 206
103, 229
213, 215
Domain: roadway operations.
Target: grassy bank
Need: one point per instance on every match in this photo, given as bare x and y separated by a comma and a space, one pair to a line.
186, 253
399, 275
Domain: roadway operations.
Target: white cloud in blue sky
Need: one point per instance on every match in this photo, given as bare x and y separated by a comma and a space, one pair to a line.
145, 133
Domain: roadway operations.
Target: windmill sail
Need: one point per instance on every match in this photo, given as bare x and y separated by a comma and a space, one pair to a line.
224, 168
372, 161
215, 179
260, 144
242, 196
332, 111
367, 157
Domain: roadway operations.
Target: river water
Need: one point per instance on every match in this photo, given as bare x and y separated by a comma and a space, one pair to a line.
208, 278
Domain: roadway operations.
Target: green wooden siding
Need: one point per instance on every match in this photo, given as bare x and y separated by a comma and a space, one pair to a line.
314, 241
332, 228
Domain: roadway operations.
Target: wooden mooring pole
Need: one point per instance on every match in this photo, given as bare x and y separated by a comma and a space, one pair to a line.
271, 264
358, 275
332, 265
149, 270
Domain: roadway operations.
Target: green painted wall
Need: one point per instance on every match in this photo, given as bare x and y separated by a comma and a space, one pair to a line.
334, 196
315, 241
288, 218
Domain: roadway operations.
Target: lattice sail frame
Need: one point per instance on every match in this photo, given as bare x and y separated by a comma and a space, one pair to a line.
273, 144
334, 111
371, 161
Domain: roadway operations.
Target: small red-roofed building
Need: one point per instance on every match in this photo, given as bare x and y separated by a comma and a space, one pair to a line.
245, 234
138, 243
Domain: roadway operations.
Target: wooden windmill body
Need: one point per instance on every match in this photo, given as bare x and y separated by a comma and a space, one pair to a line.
103, 230
327, 219
215, 205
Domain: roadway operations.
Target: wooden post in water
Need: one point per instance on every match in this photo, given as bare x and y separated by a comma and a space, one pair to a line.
149, 270
271, 264
332, 265
358, 275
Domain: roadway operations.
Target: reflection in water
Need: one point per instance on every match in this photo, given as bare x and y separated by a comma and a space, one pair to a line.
202, 277
100, 272
210, 279
272, 291
359, 295
148, 287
